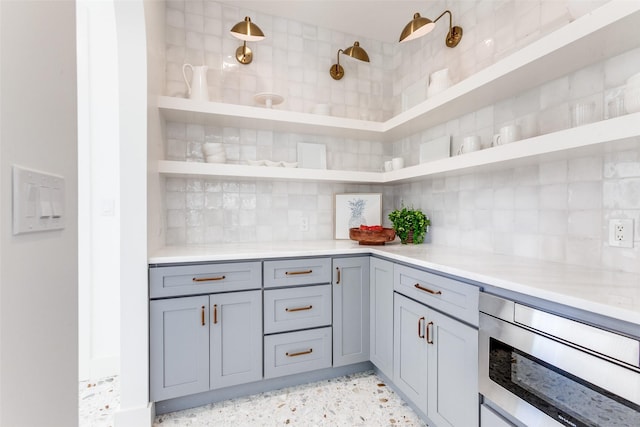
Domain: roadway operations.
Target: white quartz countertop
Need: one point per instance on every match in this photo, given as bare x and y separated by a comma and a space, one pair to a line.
605, 292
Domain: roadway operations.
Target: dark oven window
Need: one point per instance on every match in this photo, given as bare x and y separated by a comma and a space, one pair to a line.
567, 399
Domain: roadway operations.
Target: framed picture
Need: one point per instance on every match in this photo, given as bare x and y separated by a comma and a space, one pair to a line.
353, 210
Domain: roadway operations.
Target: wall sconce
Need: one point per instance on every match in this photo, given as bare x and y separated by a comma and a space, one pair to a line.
419, 26
355, 51
246, 31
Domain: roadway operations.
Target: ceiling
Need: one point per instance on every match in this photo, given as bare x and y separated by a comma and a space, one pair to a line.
377, 20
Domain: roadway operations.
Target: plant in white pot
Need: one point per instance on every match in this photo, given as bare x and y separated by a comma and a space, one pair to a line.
411, 225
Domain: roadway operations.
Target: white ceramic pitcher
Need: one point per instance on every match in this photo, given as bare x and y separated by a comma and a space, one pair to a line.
198, 89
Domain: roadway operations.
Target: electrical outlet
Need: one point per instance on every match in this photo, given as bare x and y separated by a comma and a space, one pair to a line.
304, 223
621, 233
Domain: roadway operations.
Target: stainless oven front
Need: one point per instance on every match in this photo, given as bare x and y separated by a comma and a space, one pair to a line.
545, 370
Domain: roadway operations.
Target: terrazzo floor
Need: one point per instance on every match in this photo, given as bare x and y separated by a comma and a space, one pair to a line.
361, 399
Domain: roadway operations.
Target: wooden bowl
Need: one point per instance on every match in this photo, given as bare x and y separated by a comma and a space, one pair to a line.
369, 237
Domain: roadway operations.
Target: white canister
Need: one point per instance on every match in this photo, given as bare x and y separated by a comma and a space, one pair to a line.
388, 166
397, 162
438, 81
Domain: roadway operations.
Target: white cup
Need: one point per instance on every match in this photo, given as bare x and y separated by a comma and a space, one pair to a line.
469, 144
397, 163
507, 134
583, 113
388, 166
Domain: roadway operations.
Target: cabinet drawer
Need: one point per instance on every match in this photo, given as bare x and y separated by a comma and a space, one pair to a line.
203, 279
291, 272
297, 308
295, 352
451, 297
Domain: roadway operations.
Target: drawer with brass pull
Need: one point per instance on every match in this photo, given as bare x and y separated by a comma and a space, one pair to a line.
204, 278
454, 298
295, 352
297, 308
301, 271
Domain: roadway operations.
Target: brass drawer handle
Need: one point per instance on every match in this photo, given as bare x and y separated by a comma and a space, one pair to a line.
202, 315
431, 291
429, 338
208, 279
338, 270
293, 273
215, 314
300, 353
420, 334
291, 310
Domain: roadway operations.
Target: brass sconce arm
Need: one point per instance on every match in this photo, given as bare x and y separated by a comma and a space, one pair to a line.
355, 51
336, 71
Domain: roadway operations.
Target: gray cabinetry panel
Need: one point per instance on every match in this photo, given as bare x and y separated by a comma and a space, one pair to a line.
410, 357
455, 298
204, 279
236, 338
179, 347
296, 352
290, 272
297, 308
350, 310
488, 418
453, 372
381, 315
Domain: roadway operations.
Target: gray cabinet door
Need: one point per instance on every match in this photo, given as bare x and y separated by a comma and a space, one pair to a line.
236, 338
453, 372
350, 310
410, 357
381, 315
179, 347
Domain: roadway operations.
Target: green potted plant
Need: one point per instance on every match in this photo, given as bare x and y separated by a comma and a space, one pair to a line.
410, 225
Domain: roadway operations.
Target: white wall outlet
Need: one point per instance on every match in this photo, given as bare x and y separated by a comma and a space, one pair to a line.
621, 233
304, 223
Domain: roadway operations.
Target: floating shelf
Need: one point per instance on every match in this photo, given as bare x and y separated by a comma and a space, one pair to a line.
558, 144
606, 32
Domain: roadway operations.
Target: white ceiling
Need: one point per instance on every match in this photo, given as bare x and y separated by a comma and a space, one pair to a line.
377, 20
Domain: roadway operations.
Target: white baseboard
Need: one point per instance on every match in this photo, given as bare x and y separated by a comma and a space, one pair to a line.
135, 417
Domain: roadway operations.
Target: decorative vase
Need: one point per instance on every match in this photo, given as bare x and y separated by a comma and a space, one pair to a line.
409, 238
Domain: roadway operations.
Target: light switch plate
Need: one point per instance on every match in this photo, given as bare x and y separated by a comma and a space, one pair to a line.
38, 201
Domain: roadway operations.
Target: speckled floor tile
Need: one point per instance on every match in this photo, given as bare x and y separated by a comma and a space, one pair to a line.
98, 400
354, 400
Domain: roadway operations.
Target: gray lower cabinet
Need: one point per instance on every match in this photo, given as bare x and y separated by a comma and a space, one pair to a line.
381, 315
204, 342
350, 310
236, 338
179, 347
488, 418
435, 363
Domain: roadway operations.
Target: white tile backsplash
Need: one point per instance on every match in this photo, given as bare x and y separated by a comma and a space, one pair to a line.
554, 210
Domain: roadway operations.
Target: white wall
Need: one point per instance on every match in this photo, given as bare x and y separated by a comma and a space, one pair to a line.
99, 225
39, 271
135, 409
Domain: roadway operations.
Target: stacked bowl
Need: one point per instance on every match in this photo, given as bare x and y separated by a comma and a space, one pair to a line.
214, 152
632, 94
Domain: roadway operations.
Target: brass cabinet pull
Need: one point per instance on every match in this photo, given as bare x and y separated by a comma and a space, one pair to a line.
208, 279
420, 334
429, 337
338, 270
291, 310
202, 315
431, 291
300, 353
293, 273
215, 314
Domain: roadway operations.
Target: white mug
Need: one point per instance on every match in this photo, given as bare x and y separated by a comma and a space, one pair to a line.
397, 162
388, 166
469, 144
507, 134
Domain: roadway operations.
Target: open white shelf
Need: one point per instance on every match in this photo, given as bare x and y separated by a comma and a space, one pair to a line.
558, 144
606, 32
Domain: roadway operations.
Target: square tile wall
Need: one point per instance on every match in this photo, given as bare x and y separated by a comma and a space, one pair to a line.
555, 211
